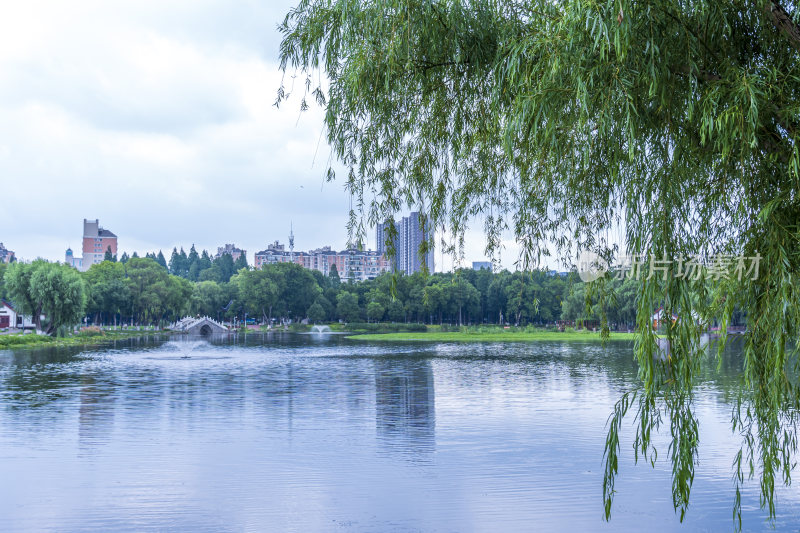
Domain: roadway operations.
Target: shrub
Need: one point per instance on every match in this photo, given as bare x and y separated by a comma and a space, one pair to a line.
18, 340
91, 331
364, 327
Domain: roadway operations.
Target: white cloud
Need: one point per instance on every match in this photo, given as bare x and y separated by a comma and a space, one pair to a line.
158, 119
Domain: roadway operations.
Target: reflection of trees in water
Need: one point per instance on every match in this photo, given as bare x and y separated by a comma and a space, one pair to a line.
41, 385
405, 403
36, 378
96, 411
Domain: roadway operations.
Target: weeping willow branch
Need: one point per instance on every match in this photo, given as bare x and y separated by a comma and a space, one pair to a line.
562, 120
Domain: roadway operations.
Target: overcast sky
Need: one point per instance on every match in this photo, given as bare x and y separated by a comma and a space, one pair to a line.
158, 119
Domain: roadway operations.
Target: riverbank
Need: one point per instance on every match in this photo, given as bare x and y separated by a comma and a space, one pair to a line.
30, 340
495, 336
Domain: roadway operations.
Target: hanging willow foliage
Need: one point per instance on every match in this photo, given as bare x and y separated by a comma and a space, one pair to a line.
679, 118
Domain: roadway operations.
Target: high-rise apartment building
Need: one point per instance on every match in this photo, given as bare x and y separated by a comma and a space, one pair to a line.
96, 242
410, 235
275, 253
351, 264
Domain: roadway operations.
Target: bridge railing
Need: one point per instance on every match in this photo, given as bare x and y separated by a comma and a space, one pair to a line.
190, 322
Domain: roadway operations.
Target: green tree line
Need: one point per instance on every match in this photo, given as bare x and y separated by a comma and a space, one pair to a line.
144, 290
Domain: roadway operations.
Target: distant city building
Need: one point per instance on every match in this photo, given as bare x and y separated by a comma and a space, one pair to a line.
231, 250
480, 265
96, 242
6, 256
357, 265
275, 253
410, 236
382, 237
71, 260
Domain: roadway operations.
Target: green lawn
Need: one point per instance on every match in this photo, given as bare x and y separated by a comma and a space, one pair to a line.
500, 336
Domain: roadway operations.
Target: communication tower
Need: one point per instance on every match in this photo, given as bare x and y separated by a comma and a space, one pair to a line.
291, 243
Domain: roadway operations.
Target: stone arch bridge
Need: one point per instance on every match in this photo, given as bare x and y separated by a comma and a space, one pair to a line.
198, 326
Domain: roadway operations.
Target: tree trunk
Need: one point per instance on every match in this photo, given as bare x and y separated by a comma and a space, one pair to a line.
37, 318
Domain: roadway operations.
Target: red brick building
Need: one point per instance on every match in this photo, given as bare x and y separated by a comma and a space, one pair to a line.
96, 241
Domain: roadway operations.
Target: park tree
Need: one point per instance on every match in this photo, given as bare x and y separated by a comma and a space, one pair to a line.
415, 299
208, 299
193, 256
109, 255
149, 285
203, 263
299, 288
51, 289
176, 299
175, 262
375, 311
212, 273
347, 307
223, 266
327, 305
482, 279
161, 260
522, 301
396, 311
61, 293
465, 298
316, 313
333, 274
193, 264
677, 121
20, 290
108, 293
497, 298
179, 263
259, 290
434, 298
240, 263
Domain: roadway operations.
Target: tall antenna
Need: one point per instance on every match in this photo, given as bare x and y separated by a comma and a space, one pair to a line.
291, 242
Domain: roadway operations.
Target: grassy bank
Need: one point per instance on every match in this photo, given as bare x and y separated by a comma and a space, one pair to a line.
31, 340
379, 327
467, 335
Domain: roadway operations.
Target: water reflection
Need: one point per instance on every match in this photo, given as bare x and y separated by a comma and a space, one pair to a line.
96, 412
405, 411
294, 432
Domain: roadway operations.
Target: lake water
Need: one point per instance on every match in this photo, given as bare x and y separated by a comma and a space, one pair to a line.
291, 432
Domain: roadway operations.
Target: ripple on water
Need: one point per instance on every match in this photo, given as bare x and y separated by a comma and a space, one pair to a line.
290, 432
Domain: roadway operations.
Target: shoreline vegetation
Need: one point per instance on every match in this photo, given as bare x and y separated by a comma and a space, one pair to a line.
485, 333
467, 334
89, 337
447, 333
